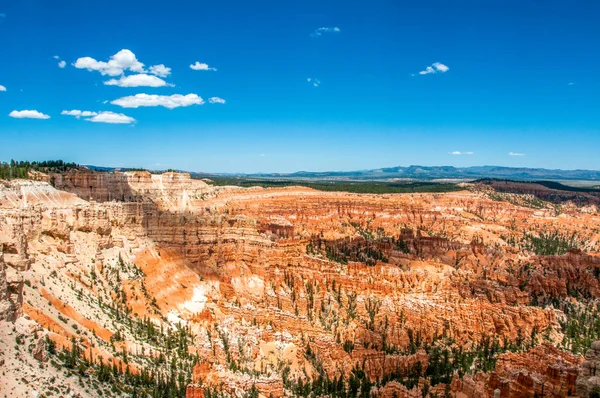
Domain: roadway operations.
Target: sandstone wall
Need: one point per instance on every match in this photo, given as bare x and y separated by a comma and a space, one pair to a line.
588, 380
11, 292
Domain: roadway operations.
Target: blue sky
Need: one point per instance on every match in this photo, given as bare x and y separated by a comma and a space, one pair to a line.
506, 77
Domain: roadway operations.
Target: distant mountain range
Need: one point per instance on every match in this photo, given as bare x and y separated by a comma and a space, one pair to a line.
419, 173
443, 172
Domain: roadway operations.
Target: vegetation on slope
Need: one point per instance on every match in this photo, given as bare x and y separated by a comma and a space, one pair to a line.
551, 243
445, 359
21, 169
162, 368
368, 247
376, 187
147, 382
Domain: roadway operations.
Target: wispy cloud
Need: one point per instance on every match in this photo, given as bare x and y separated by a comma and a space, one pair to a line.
167, 101
516, 154
100, 117
2, 88
28, 114
141, 80
435, 68
77, 113
61, 63
112, 118
314, 82
216, 100
458, 153
201, 66
160, 70
321, 31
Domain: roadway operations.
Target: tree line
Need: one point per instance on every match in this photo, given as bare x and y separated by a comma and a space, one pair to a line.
21, 169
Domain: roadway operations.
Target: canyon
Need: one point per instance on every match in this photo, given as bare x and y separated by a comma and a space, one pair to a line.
134, 284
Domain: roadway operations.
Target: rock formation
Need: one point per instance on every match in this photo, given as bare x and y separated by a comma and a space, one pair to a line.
282, 290
588, 382
11, 292
542, 371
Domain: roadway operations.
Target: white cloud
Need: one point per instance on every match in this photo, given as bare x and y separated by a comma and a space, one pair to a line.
112, 118
435, 68
168, 101
141, 80
27, 114
516, 154
61, 63
77, 113
462, 153
160, 70
441, 67
320, 31
201, 66
2, 88
314, 82
101, 117
216, 100
117, 64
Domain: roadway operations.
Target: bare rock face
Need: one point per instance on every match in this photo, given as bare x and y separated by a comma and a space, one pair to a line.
541, 371
6, 308
40, 350
588, 380
131, 186
194, 391
11, 292
237, 384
